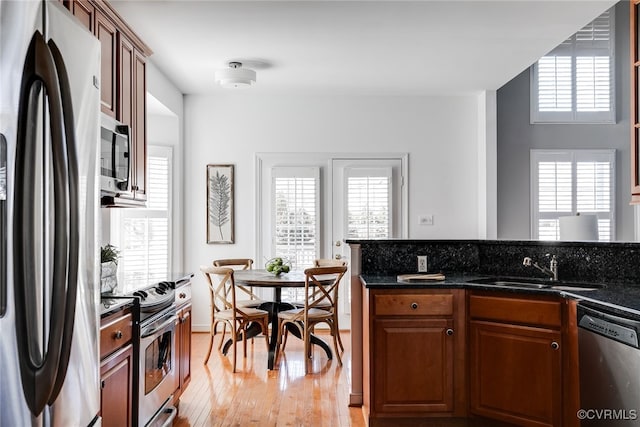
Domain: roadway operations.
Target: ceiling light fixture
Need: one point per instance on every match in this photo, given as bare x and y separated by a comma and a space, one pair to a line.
235, 77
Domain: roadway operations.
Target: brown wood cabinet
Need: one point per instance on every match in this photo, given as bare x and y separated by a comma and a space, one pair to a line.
122, 81
116, 369
85, 12
515, 351
139, 129
183, 349
106, 32
414, 355
132, 110
116, 376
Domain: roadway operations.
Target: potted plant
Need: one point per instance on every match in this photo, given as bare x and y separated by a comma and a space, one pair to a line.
109, 255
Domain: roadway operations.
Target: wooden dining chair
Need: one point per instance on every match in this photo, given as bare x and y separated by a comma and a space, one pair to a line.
330, 262
321, 286
225, 310
249, 298
323, 262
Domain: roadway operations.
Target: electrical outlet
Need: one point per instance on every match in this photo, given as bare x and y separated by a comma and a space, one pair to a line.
422, 263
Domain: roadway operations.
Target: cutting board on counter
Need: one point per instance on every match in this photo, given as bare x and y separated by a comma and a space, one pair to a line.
420, 278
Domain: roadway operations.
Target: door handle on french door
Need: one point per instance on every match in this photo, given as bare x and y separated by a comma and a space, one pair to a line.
38, 365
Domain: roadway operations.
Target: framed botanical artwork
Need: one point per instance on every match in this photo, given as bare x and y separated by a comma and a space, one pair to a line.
220, 204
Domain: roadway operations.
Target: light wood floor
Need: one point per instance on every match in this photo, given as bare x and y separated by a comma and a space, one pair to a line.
255, 396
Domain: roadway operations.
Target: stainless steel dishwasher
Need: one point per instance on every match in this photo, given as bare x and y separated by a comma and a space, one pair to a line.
609, 357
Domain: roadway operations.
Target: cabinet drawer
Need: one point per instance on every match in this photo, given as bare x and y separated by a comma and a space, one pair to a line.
115, 334
413, 305
531, 311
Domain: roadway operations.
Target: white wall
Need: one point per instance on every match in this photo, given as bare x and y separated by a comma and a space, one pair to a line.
165, 119
439, 133
165, 128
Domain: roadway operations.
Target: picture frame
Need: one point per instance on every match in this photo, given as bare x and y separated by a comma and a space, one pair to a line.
220, 195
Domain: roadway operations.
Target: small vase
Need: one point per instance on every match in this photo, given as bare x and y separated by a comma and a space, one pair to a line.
108, 277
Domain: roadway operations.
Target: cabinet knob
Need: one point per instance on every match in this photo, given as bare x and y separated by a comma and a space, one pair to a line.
182, 295
414, 305
117, 335
135, 188
449, 331
555, 345
102, 384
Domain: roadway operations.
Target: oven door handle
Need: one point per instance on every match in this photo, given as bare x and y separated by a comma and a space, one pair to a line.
150, 330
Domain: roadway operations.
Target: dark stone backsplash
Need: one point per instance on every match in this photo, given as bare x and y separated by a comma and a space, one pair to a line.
577, 261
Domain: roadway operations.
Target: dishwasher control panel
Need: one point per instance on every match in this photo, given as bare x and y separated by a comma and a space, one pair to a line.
610, 326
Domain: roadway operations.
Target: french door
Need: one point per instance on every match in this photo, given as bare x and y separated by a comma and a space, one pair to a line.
311, 203
366, 204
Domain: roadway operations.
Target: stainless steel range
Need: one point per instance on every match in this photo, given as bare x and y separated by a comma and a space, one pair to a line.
157, 369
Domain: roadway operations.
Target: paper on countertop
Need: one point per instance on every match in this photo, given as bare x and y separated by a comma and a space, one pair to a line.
434, 277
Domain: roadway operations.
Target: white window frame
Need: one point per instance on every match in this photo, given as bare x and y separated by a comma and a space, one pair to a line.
119, 215
573, 156
574, 49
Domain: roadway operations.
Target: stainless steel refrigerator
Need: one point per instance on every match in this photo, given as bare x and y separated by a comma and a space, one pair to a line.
49, 246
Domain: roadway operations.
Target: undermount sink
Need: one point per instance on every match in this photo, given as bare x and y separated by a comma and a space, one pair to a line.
523, 282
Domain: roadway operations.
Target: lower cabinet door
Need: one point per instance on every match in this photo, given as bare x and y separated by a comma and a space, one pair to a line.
413, 366
515, 373
116, 375
183, 338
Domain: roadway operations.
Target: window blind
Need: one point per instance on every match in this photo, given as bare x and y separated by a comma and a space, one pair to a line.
554, 83
368, 206
145, 233
296, 215
570, 182
574, 82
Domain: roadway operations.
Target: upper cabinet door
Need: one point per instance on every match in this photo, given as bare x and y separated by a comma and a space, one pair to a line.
107, 34
85, 12
125, 81
139, 126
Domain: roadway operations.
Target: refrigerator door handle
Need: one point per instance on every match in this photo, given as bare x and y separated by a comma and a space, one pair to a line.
38, 368
71, 217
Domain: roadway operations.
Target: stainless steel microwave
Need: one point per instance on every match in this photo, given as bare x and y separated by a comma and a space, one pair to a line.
115, 156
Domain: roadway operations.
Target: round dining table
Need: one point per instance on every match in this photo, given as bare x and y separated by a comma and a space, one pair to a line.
264, 279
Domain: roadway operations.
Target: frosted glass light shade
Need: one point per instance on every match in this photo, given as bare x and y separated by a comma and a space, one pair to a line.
235, 77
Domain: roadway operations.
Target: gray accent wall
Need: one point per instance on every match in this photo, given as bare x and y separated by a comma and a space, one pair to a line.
517, 136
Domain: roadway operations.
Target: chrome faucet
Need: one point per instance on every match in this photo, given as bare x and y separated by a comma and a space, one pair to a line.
552, 271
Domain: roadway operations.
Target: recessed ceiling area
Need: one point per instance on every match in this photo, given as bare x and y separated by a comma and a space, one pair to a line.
399, 48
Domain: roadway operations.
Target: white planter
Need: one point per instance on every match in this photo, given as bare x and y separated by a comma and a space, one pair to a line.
108, 277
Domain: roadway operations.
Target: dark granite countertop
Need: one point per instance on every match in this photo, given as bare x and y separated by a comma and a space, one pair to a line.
111, 304
621, 298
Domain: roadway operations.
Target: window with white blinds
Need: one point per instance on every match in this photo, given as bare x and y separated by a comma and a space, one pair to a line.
368, 203
145, 233
570, 182
574, 82
296, 214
